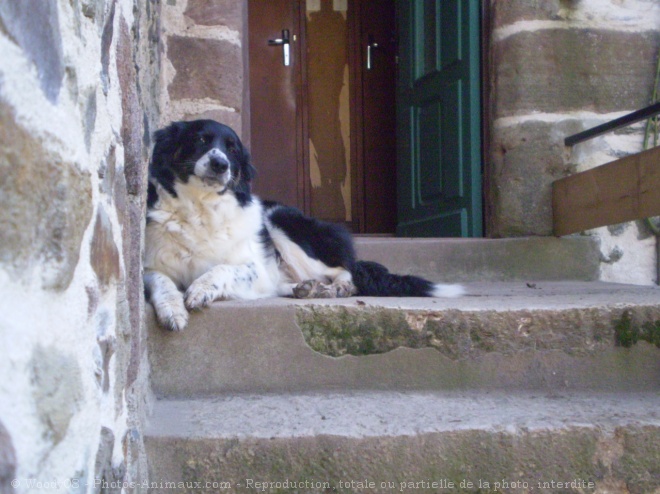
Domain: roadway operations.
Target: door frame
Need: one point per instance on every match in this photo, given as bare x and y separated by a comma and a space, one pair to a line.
486, 116
302, 110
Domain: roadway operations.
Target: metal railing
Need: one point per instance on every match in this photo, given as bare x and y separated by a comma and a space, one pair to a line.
631, 118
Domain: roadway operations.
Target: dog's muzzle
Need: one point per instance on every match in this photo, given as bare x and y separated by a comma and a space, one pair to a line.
213, 168
218, 165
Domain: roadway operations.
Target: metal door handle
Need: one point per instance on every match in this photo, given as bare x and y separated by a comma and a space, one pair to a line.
285, 43
371, 45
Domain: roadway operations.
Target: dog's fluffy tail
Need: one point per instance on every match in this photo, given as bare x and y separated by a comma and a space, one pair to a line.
374, 280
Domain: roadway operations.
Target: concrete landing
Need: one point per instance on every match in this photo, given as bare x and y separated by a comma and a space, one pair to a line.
408, 442
514, 336
472, 260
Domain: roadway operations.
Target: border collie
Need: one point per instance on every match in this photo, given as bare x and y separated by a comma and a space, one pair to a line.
208, 238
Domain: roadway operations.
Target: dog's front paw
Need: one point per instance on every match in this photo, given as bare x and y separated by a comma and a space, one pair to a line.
344, 289
312, 289
304, 289
317, 289
172, 314
201, 293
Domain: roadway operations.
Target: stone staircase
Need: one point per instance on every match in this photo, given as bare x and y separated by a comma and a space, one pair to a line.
538, 380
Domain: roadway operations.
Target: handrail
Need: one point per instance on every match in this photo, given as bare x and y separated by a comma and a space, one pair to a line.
631, 118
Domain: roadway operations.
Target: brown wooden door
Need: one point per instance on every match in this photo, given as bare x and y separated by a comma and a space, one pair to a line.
275, 109
323, 129
378, 102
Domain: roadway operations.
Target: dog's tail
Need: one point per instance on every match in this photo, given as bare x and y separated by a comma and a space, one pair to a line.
374, 280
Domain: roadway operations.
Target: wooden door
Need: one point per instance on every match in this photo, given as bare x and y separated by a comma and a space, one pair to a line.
323, 129
439, 128
376, 114
327, 110
276, 123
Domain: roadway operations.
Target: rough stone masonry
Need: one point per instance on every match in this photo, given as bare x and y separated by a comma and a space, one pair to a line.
559, 67
78, 101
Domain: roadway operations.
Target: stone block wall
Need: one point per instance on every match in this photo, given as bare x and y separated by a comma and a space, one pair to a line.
559, 67
205, 74
79, 85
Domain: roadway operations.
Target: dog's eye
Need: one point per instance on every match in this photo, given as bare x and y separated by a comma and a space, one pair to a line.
231, 145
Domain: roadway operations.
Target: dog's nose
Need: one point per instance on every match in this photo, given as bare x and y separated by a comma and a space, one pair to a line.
218, 165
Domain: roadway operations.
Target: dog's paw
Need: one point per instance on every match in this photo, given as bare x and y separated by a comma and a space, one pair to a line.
201, 293
344, 289
316, 289
172, 315
303, 289
307, 289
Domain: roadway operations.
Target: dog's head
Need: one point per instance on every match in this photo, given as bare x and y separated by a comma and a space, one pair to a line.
202, 153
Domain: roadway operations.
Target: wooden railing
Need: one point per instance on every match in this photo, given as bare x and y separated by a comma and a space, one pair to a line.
624, 190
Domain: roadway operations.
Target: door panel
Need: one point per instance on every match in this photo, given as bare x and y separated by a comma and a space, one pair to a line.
378, 96
438, 123
276, 125
328, 110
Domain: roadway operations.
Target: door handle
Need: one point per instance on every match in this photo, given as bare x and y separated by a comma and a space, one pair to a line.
285, 43
371, 45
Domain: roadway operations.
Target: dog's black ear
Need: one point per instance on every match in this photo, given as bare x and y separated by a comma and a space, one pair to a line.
243, 189
167, 141
248, 172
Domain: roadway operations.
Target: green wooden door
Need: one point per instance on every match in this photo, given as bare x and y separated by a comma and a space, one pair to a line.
438, 119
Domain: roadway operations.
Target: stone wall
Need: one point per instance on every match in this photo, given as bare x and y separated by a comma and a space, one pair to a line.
205, 74
78, 101
559, 67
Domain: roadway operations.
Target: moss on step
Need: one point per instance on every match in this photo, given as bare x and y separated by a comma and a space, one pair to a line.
461, 461
628, 333
367, 330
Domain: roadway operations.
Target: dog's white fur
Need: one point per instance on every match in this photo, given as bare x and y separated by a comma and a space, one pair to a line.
204, 243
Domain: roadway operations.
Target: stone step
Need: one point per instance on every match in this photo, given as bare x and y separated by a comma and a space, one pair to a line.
508, 336
407, 442
474, 260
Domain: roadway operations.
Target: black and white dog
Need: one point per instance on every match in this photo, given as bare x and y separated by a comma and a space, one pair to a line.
208, 238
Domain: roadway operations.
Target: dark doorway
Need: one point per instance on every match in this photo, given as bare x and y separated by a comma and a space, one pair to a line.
373, 120
323, 127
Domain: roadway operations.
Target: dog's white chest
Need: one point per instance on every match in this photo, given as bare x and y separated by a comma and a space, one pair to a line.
188, 235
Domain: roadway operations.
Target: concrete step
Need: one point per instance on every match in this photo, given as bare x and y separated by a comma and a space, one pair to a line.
475, 260
407, 442
508, 336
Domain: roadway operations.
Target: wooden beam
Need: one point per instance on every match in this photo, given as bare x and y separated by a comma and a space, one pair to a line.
625, 190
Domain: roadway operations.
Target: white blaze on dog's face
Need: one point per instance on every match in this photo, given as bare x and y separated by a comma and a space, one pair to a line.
213, 168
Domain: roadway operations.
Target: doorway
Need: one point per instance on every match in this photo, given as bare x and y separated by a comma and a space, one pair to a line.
323, 120
367, 112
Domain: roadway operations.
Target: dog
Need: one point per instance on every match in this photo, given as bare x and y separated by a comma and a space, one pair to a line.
209, 238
